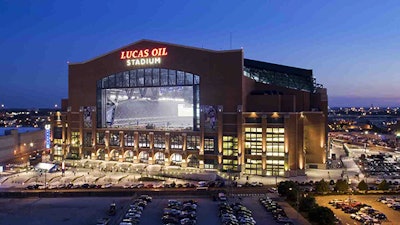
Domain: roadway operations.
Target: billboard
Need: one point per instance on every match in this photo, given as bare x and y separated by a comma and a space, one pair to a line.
168, 108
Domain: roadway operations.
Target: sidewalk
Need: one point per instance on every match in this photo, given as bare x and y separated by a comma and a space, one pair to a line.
292, 213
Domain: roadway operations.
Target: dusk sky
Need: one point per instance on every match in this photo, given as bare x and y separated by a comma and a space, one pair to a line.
353, 47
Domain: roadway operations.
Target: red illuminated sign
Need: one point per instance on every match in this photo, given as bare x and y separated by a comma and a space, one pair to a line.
144, 53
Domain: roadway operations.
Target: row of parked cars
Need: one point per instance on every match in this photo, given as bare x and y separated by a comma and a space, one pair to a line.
391, 202
180, 212
276, 210
235, 214
359, 211
134, 212
68, 186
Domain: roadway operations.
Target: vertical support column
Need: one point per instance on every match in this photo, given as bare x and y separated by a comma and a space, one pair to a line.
94, 130
151, 148
303, 143
136, 147
264, 144
288, 135
68, 133
167, 150
121, 146
81, 155
201, 152
220, 124
239, 122
184, 152
107, 144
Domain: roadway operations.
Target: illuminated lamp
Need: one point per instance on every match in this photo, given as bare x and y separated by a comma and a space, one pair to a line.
253, 114
275, 115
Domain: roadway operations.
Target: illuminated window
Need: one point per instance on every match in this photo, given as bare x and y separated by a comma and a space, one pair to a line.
144, 141
229, 146
100, 138
114, 139
275, 167
129, 139
176, 159
253, 141
57, 141
87, 139
159, 141
193, 142
209, 145
275, 141
75, 139
229, 164
253, 166
210, 164
176, 141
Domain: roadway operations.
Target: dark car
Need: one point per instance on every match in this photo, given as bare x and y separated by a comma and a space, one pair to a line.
169, 219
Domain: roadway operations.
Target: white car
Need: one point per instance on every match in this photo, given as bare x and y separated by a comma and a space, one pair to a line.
109, 185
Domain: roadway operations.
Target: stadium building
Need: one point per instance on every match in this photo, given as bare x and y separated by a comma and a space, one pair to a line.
160, 103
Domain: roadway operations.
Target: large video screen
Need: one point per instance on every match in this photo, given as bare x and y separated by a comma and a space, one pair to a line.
149, 107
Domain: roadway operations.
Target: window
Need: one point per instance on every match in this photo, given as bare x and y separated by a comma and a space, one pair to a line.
75, 139
126, 79
100, 138
193, 142
275, 167
229, 146
57, 141
180, 78
140, 77
172, 77
132, 79
209, 145
209, 164
275, 141
176, 142
164, 77
156, 77
229, 164
148, 79
119, 80
114, 139
253, 140
253, 166
144, 141
87, 139
159, 141
129, 139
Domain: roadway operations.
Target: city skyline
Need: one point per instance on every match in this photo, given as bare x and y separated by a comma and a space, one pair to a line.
350, 46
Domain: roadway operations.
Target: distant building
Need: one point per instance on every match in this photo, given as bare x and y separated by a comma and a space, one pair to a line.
161, 103
20, 142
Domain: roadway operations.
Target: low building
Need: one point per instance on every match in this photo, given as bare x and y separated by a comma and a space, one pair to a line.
19, 143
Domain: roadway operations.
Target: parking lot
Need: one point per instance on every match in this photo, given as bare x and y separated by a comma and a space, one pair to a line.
65, 211
86, 210
392, 215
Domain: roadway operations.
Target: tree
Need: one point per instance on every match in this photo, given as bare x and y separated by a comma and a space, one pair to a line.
284, 187
289, 189
362, 186
307, 203
322, 215
341, 186
383, 185
322, 187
